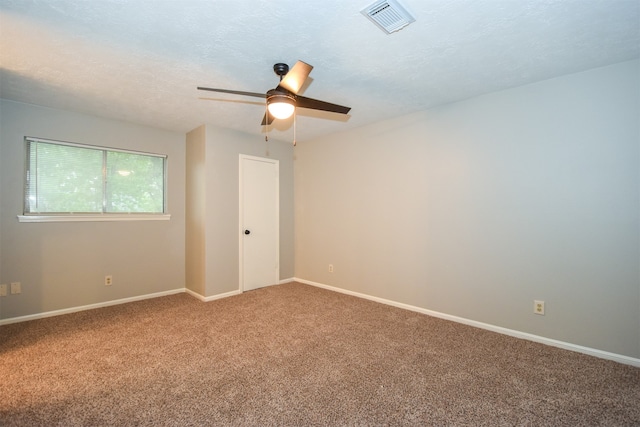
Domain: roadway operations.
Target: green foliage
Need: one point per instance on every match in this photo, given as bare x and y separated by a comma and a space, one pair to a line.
134, 183
66, 179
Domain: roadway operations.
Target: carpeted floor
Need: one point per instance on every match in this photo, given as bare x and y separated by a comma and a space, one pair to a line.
295, 355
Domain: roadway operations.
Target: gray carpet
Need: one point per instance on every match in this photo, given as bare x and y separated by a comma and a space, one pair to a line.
295, 355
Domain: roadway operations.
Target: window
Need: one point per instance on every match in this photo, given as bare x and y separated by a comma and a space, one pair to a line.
65, 179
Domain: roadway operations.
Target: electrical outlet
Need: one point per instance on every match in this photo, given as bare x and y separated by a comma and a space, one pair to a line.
3, 290
330, 268
538, 307
108, 280
16, 288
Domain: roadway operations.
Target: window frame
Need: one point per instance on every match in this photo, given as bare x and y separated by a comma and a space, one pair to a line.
91, 216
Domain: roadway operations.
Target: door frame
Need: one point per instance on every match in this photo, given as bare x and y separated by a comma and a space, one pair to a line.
241, 226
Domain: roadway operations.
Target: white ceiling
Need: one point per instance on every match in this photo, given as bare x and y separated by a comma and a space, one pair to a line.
141, 60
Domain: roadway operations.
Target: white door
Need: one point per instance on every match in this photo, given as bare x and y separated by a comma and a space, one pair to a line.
259, 222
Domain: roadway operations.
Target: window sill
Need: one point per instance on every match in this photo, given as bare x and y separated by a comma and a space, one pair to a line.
94, 217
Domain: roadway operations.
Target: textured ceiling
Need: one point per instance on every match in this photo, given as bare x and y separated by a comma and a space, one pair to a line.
141, 60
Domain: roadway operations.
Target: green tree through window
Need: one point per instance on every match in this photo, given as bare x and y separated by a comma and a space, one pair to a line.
135, 183
73, 178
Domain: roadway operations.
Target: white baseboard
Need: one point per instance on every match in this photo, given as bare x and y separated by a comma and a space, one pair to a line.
213, 297
513, 333
88, 307
505, 331
124, 301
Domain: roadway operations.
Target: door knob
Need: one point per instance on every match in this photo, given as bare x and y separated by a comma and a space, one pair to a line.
247, 232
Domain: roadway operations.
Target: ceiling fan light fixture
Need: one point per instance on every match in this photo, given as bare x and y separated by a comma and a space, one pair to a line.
281, 106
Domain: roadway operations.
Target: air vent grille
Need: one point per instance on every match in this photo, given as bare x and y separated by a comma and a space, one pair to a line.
389, 15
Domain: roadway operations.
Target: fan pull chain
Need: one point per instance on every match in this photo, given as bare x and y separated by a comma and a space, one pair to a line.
295, 120
266, 122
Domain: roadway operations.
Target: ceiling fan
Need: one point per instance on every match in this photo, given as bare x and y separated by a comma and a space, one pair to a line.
283, 100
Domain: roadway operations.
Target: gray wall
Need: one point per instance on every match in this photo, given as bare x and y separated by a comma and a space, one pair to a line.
213, 202
477, 208
62, 265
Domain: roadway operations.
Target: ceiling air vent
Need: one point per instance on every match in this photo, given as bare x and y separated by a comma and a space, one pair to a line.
389, 15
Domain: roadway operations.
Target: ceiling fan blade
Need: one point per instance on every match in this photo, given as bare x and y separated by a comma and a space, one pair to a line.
296, 77
315, 104
267, 119
236, 92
